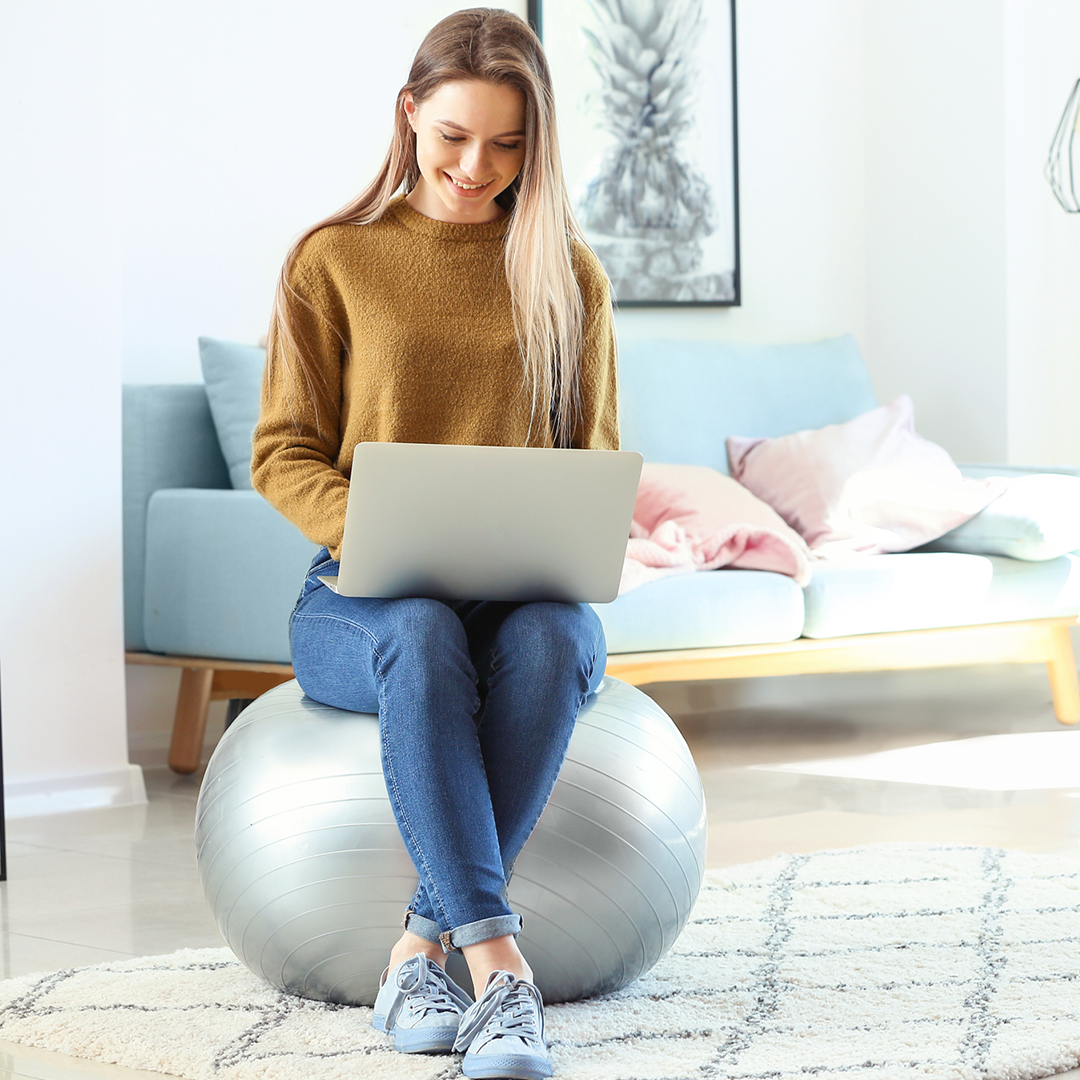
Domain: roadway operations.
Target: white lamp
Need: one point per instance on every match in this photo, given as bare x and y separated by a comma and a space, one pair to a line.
1063, 165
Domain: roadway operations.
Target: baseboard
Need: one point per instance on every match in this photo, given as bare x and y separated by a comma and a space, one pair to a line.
157, 757
149, 747
78, 791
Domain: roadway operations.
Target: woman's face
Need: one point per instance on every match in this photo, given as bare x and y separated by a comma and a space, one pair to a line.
470, 144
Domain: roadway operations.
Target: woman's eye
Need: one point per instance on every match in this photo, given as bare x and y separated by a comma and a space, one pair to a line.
451, 138
509, 146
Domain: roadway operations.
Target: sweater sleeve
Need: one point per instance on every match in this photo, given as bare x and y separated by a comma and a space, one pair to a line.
297, 442
597, 426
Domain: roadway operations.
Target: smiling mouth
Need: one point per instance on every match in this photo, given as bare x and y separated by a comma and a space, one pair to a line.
466, 187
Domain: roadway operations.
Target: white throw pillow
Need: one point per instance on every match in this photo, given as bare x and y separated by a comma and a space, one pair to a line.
1035, 518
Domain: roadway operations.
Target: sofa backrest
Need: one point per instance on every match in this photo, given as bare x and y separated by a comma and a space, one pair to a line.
169, 442
680, 400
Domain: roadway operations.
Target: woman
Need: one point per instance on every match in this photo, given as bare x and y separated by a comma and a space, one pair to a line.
466, 310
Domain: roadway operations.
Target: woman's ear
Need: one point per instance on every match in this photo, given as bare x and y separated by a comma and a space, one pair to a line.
409, 105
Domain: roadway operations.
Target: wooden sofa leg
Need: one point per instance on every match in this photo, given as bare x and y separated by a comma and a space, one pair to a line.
1064, 685
189, 725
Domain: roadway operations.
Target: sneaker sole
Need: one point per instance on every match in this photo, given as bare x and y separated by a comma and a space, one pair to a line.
424, 1040
418, 1041
508, 1066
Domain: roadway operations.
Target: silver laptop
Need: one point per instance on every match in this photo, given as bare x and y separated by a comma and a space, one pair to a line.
486, 522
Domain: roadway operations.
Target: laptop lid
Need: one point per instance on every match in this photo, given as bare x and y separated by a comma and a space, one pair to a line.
486, 522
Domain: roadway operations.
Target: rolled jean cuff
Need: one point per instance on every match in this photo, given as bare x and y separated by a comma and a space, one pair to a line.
481, 930
421, 927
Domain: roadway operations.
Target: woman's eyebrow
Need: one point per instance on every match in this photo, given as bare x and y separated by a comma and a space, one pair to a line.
458, 127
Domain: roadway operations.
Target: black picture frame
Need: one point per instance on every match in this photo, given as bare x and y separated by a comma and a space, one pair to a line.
648, 128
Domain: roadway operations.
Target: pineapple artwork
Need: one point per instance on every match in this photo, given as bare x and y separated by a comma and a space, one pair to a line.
644, 206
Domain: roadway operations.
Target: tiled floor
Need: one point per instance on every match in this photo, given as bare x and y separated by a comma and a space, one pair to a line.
114, 883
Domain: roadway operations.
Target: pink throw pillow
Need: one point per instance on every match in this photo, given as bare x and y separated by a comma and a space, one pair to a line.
690, 517
869, 486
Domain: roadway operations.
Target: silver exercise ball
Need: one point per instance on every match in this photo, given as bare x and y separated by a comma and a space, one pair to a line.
308, 878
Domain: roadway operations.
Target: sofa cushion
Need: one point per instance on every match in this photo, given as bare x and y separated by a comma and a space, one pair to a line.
913, 591
223, 571
704, 610
233, 377
1037, 517
679, 400
870, 485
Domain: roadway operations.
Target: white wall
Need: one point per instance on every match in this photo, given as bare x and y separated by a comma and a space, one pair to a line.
61, 644
936, 217
973, 269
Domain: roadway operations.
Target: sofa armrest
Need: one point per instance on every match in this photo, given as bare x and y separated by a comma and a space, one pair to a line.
223, 571
169, 441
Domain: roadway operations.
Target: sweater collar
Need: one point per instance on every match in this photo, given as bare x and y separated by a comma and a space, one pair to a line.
445, 230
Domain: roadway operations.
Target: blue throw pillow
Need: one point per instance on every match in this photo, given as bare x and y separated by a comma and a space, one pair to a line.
1035, 518
233, 377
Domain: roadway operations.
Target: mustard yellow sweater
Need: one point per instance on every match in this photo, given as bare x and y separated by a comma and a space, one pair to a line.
429, 355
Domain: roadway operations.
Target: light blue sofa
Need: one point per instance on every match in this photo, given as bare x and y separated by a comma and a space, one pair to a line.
211, 573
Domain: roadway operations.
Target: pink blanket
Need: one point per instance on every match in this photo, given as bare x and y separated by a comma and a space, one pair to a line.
689, 517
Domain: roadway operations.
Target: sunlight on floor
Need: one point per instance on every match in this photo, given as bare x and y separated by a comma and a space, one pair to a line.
1033, 761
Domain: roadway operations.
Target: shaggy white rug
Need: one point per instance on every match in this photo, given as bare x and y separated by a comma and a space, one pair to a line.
889, 961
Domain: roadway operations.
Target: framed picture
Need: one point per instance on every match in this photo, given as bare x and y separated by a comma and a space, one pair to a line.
646, 100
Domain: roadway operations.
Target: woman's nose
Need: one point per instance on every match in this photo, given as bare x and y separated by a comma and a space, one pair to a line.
473, 161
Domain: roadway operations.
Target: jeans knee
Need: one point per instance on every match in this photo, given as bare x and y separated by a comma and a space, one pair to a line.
546, 635
427, 639
424, 620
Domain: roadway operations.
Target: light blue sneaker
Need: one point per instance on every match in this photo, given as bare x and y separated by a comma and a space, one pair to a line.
502, 1032
421, 1006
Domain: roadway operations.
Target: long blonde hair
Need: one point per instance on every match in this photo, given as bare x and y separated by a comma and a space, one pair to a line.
498, 47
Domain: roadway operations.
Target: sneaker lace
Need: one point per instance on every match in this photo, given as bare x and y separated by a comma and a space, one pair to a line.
518, 1015
421, 988
509, 1007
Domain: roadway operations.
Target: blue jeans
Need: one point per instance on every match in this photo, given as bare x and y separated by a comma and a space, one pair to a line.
476, 703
